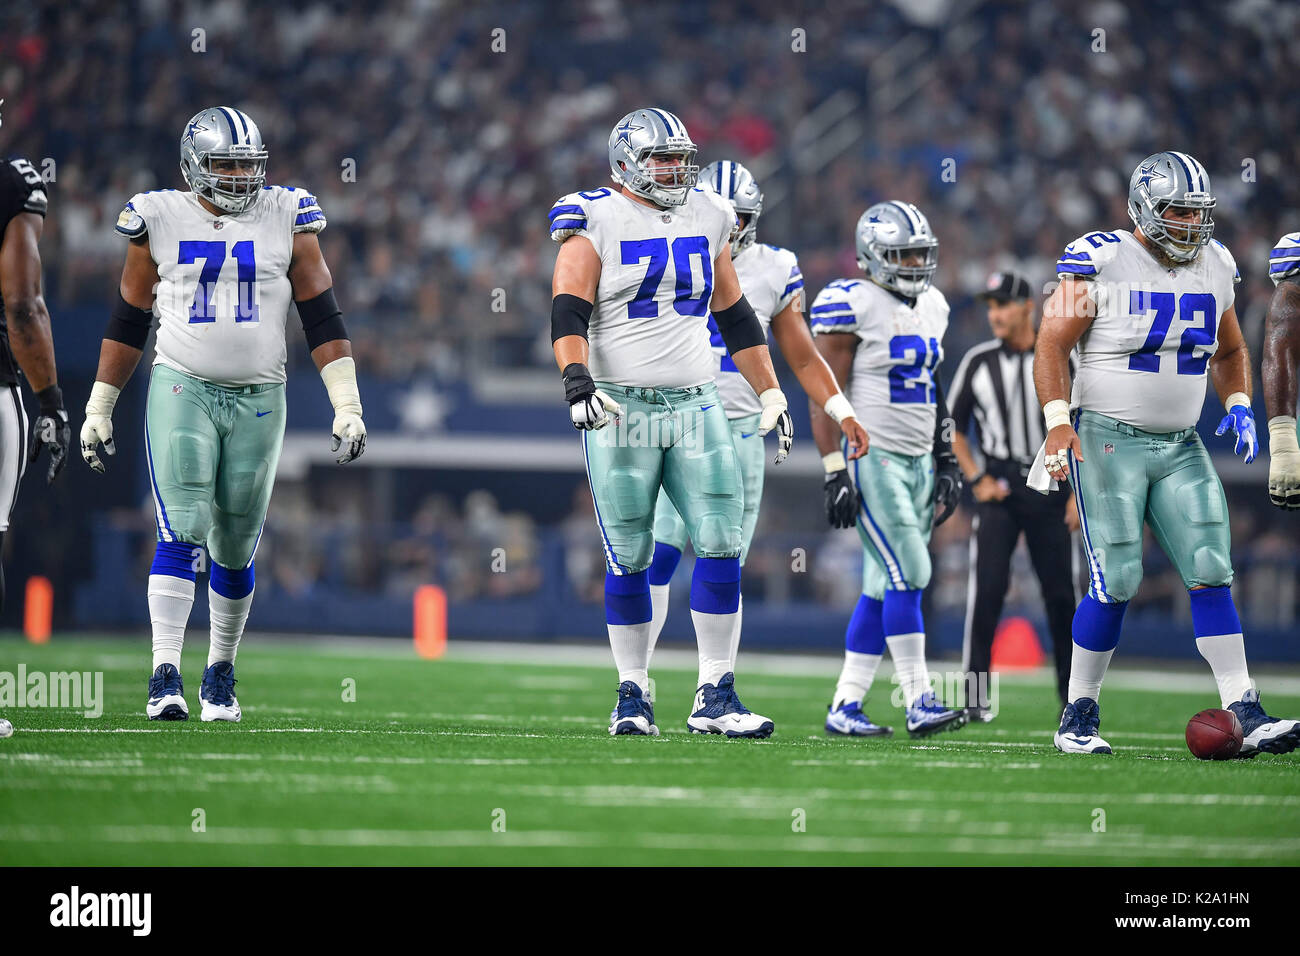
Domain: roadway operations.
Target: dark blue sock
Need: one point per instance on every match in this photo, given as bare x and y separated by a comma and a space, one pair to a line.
901, 613
664, 563
232, 584
715, 585
1096, 625
866, 630
627, 598
1213, 612
175, 559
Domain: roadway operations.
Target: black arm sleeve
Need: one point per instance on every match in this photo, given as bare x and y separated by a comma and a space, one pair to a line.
128, 324
322, 319
570, 315
943, 427
739, 327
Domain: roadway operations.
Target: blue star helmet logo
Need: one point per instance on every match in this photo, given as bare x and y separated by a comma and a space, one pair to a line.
1148, 171
625, 132
195, 127
874, 219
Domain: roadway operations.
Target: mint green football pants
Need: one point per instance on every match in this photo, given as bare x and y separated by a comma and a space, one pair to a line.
1129, 477
895, 515
674, 439
669, 526
212, 454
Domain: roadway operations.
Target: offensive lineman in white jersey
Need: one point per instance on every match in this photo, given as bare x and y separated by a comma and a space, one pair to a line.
646, 336
885, 335
1152, 313
219, 266
773, 285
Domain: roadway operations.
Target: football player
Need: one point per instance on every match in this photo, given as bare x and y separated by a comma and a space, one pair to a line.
1151, 312
773, 285
640, 267
25, 339
1281, 358
219, 265
884, 335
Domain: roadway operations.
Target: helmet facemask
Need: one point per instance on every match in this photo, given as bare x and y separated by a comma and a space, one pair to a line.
1181, 239
665, 185
908, 270
229, 191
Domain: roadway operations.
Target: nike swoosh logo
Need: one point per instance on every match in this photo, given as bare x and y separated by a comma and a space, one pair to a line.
268, 412
1081, 741
705, 408
746, 435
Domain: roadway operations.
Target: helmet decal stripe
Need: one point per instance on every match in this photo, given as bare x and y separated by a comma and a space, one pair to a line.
664, 119
731, 190
1191, 182
907, 214
720, 165
234, 130
243, 125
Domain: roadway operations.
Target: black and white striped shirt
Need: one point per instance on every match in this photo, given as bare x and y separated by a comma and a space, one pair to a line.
994, 385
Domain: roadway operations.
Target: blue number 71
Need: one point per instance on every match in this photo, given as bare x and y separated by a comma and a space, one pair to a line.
213, 254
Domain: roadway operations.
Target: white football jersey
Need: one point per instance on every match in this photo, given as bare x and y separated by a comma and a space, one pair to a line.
649, 326
1143, 359
770, 278
223, 293
892, 387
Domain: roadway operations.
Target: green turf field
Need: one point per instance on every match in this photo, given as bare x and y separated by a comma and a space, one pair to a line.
432, 753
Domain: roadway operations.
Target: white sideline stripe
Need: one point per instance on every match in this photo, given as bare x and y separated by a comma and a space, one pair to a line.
1095, 845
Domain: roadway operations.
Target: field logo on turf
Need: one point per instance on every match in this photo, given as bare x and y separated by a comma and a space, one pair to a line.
77, 690
75, 909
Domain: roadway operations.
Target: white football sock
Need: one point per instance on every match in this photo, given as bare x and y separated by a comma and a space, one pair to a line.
855, 677
1226, 654
1087, 669
631, 646
170, 600
735, 636
908, 652
228, 618
713, 638
658, 613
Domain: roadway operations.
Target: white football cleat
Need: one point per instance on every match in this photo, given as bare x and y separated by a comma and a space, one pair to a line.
217, 693
1078, 731
719, 711
1261, 733
634, 714
166, 699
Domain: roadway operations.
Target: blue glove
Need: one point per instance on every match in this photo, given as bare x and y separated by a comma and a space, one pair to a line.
1242, 422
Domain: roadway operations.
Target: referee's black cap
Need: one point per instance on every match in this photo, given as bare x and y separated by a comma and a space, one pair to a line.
1006, 287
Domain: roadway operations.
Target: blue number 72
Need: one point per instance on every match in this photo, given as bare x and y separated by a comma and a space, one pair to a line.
1147, 358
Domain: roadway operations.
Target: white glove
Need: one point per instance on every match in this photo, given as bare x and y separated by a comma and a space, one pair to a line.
776, 414
348, 434
1283, 463
593, 411
98, 426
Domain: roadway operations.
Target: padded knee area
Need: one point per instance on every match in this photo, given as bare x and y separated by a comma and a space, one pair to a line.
719, 473
635, 551
1122, 574
193, 459
240, 488
1211, 567
1121, 518
717, 536
630, 494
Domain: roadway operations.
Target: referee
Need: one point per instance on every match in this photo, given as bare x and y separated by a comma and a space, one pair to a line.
994, 385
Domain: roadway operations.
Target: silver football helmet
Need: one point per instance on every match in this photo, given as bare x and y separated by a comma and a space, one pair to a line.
650, 132
223, 133
1174, 180
734, 183
896, 247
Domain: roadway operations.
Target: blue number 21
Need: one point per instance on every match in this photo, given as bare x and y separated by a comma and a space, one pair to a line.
656, 250
213, 254
1202, 335
905, 380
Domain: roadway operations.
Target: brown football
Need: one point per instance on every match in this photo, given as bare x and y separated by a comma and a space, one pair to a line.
1214, 735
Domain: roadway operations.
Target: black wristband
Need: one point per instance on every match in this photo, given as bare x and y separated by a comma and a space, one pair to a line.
51, 399
739, 327
578, 382
973, 481
322, 319
570, 315
128, 324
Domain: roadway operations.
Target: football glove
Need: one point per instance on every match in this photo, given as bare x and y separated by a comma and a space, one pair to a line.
1283, 463
841, 499
947, 486
52, 431
348, 433
776, 414
98, 427
1241, 421
589, 407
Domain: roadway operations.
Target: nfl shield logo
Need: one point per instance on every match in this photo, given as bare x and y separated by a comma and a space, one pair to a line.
1108, 448
177, 389
667, 217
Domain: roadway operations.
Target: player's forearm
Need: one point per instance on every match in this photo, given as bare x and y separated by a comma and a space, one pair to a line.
826, 433
1282, 351
570, 350
755, 364
1051, 370
1230, 373
117, 362
330, 351
32, 341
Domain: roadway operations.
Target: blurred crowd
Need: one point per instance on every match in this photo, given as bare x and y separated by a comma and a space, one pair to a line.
437, 135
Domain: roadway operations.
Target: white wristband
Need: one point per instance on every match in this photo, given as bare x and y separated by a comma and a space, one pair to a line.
102, 399
838, 407
834, 462
1282, 436
1237, 398
1056, 412
340, 378
772, 397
